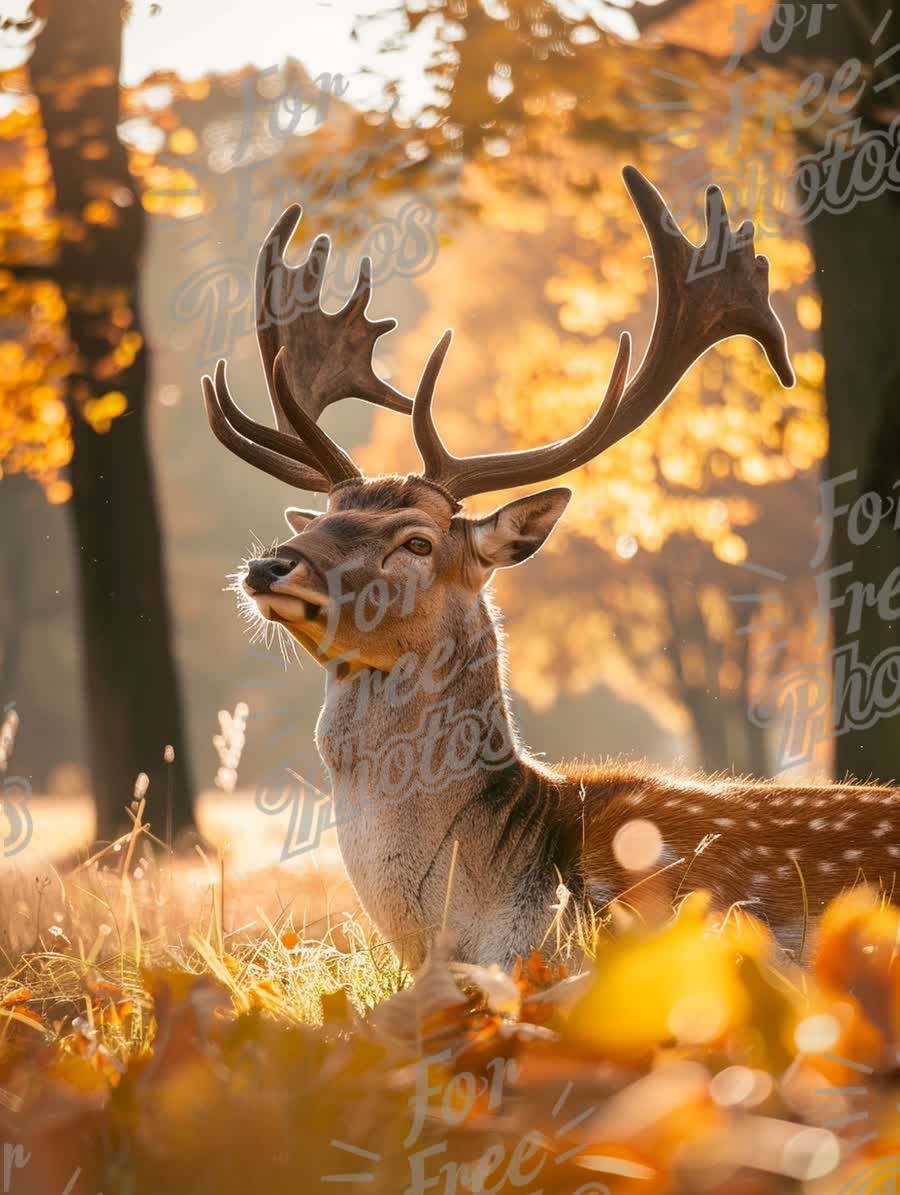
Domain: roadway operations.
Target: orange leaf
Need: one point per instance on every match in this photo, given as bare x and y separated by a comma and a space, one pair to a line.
18, 996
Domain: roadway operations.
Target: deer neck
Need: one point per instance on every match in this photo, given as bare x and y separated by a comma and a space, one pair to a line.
420, 759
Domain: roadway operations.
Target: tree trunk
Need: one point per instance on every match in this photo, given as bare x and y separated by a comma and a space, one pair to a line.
134, 703
18, 493
725, 738
857, 254
858, 258
710, 731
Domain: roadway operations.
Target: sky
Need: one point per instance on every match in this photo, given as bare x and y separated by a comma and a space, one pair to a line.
195, 37
200, 37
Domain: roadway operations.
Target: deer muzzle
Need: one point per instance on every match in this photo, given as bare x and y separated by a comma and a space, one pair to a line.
285, 589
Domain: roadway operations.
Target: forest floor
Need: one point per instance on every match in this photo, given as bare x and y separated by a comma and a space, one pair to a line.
179, 1023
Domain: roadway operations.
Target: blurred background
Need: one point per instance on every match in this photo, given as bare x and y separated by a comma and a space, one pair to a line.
474, 148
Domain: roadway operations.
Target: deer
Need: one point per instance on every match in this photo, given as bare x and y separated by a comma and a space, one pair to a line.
443, 819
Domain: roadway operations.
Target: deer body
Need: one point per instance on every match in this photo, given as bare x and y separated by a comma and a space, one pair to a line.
523, 829
442, 817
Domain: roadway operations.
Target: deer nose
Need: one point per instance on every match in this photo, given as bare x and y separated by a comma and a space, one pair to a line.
262, 574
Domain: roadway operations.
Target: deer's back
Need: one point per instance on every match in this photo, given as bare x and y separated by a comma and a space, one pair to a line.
758, 844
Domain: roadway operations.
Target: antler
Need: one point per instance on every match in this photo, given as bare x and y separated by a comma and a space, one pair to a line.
311, 359
704, 294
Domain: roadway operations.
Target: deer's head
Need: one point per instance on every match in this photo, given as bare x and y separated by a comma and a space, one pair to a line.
394, 565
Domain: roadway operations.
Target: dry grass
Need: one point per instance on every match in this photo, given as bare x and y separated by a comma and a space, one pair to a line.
134, 907
197, 1023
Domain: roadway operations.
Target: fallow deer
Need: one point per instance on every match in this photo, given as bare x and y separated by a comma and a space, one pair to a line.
387, 589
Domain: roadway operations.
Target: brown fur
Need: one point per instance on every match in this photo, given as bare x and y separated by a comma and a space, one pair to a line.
771, 840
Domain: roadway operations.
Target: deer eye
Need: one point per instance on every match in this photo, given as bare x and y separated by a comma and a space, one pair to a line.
419, 546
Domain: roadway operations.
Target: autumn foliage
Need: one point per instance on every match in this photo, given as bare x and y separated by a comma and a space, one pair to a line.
687, 1055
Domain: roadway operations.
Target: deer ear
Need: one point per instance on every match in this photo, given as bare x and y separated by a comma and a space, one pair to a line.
515, 531
298, 520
